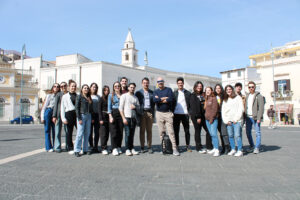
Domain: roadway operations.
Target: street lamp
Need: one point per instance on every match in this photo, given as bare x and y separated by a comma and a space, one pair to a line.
274, 96
21, 103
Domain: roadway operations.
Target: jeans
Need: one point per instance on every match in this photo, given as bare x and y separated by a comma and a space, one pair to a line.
235, 133
213, 130
96, 125
83, 131
186, 125
57, 141
49, 127
249, 122
129, 133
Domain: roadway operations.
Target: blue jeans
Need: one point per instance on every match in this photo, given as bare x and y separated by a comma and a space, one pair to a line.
83, 132
249, 122
235, 133
58, 126
213, 131
49, 127
129, 133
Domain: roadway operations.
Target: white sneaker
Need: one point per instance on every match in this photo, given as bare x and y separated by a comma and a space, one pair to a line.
128, 152
50, 150
232, 152
134, 152
211, 151
202, 151
216, 153
238, 154
115, 152
104, 152
71, 152
120, 151
81, 152
256, 151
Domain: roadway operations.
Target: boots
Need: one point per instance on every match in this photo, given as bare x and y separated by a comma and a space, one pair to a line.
226, 149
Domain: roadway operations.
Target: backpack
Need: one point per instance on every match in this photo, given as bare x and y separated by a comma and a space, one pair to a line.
166, 144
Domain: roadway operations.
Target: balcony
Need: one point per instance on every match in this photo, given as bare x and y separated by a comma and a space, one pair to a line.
26, 85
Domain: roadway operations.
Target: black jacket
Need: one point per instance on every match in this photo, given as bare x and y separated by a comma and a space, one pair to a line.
103, 116
140, 95
196, 109
82, 106
187, 96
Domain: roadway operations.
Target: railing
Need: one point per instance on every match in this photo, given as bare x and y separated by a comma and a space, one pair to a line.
27, 84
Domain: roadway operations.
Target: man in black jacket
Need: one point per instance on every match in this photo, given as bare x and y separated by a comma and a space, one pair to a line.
181, 106
145, 97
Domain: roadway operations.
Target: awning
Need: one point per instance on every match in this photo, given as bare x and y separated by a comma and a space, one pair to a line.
284, 108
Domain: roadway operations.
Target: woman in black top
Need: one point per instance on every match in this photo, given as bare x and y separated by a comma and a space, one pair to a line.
197, 116
104, 119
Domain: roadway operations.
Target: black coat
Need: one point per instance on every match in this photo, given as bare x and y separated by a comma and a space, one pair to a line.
140, 95
196, 109
82, 106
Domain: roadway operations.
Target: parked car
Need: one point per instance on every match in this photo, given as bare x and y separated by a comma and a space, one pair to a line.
26, 119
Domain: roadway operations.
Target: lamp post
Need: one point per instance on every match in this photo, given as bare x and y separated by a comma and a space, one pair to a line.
21, 103
274, 96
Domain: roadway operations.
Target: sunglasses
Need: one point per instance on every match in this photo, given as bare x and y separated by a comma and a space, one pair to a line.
62, 86
117, 86
56, 86
162, 81
251, 87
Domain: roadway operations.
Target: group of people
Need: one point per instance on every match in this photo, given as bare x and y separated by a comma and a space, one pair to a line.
98, 117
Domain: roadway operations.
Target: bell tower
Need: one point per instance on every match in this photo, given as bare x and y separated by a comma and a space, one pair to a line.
129, 53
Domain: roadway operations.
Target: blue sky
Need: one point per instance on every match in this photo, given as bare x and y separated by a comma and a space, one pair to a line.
201, 36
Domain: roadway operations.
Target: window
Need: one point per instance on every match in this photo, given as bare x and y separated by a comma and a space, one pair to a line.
126, 57
239, 73
25, 106
281, 86
134, 57
2, 106
127, 46
228, 75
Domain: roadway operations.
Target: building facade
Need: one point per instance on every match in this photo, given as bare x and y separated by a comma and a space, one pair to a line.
283, 83
11, 96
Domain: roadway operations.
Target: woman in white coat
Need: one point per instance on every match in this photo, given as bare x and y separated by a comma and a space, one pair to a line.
232, 115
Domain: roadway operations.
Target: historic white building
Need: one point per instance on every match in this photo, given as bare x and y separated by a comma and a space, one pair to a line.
85, 71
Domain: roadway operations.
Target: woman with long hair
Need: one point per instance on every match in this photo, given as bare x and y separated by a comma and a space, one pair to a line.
219, 93
104, 119
115, 119
46, 117
94, 138
84, 109
211, 112
232, 115
68, 114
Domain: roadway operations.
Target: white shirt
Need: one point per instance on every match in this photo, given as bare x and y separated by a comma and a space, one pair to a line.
126, 101
181, 107
146, 100
250, 104
66, 105
232, 110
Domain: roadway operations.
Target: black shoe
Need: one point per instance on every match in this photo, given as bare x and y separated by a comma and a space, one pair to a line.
188, 148
89, 153
77, 154
150, 150
143, 150
226, 149
84, 153
58, 151
96, 151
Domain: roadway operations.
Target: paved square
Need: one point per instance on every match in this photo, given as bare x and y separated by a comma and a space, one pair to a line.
272, 174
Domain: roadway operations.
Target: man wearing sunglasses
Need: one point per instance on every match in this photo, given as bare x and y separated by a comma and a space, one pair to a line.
56, 117
163, 97
254, 116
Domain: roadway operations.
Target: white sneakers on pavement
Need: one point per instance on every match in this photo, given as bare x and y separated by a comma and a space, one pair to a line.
232, 152
128, 152
238, 154
202, 151
71, 152
134, 152
104, 152
115, 152
216, 153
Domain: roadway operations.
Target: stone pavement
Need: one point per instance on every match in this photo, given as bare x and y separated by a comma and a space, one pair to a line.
272, 174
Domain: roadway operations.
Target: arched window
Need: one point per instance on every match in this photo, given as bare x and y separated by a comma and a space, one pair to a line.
126, 56
25, 106
127, 46
2, 106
